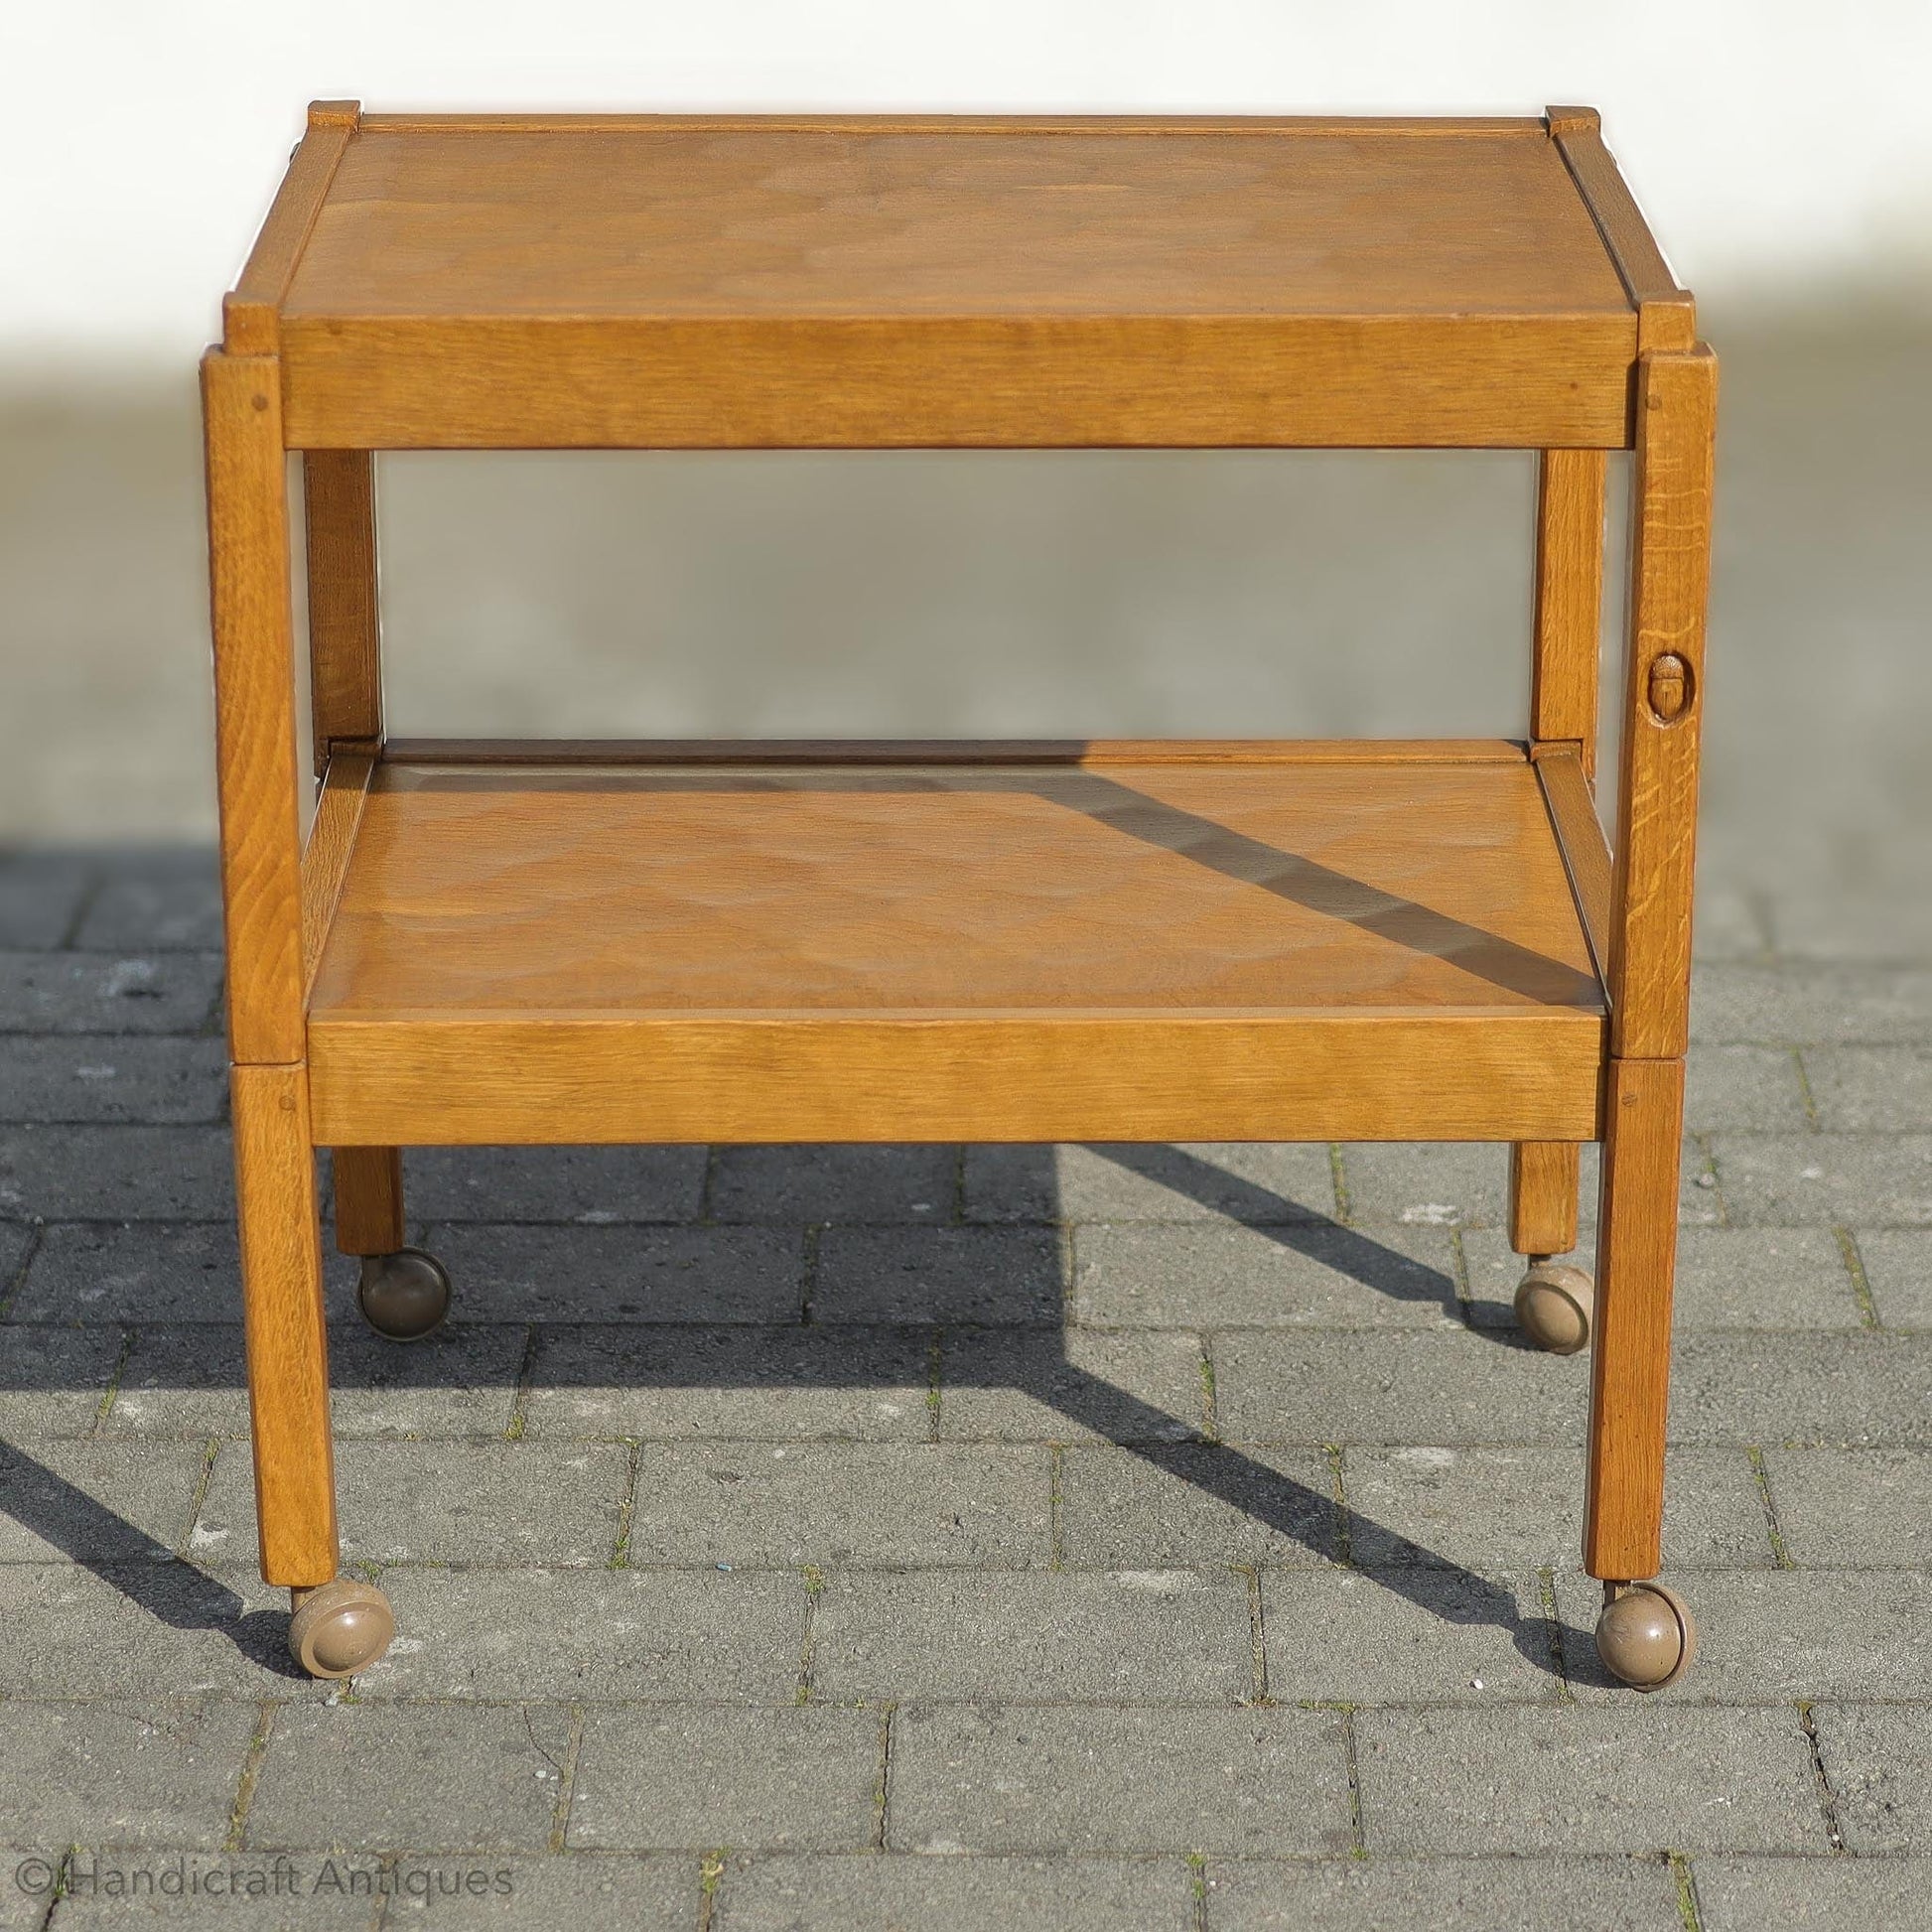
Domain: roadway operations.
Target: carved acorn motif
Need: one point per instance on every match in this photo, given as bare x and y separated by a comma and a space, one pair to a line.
1669, 689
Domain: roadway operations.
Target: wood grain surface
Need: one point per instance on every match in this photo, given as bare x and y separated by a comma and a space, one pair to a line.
1544, 1177
799, 282
254, 705
1656, 839
345, 625
800, 951
287, 1348
1636, 1257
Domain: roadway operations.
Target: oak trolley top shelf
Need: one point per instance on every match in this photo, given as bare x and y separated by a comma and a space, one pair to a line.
666, 281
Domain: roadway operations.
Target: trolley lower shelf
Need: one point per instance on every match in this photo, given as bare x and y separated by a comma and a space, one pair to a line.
1246, 941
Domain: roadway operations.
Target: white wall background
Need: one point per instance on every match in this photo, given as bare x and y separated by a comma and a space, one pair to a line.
1781, 147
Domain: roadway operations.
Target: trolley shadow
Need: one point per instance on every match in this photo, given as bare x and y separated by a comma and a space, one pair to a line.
1014, 1350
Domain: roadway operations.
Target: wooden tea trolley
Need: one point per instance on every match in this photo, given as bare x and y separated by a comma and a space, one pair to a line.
1105, 941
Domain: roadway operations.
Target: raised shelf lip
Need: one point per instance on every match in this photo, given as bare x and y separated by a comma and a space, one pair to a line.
859, 121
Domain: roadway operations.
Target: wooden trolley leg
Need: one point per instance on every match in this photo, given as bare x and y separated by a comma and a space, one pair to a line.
1544, 1177
1553, 1303
346, 703
1645, 1634
368, 1199
288, 1353
340, 1624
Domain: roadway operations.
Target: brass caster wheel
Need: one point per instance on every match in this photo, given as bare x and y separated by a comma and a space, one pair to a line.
1646, 1634
403, 1295
340, 1628
1555, 1305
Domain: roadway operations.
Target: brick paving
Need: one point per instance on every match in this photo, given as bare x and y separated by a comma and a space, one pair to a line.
1168, 1537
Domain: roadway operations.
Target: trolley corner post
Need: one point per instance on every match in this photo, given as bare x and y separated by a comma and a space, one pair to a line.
1649, 967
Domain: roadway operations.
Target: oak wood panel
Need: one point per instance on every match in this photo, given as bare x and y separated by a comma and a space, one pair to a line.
287, 1348
1666, 312
1568, 599
251, 311
1636, 1254
972, 383
1580, 837
801, 283
1656, 841
254, 705
1544, 1177
332, 840
1471, 1075
368, 1199
740, 222
590, 890
954, 751
345, 641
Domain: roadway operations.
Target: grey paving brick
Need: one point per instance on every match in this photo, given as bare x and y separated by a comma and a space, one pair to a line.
116, 1174
89, 1501
1390, 1386
15, 1242
1262, 1182
1877, 1760
150, 1772
1872, 1089
1743, 1089
834, 1183
107, 992
192, 1381
1858, 1509
862, 1503
1608, 1894
1819, 1894
1386, 1637
1633, 1777
444, 1502
858, 1383
1152, 1636
1314, 1275
1727, 1278
90, 1078
239, 1891
622, 1274
915, 1894
1071, 1385
53, 1380
591, 1185
1437, 1185
801, 1778
41, 895
126, 1630
136, 1271
166, 901
1773, 1636
1811, 1005
1821, 1178
941, 1273
427, 1777
702, 1635
553, 1894
1523, 1507
1852, 1388
1897, 1266
1098, 1779
1197, 1503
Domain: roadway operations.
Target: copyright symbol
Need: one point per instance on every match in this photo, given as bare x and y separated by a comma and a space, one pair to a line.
34, 1876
